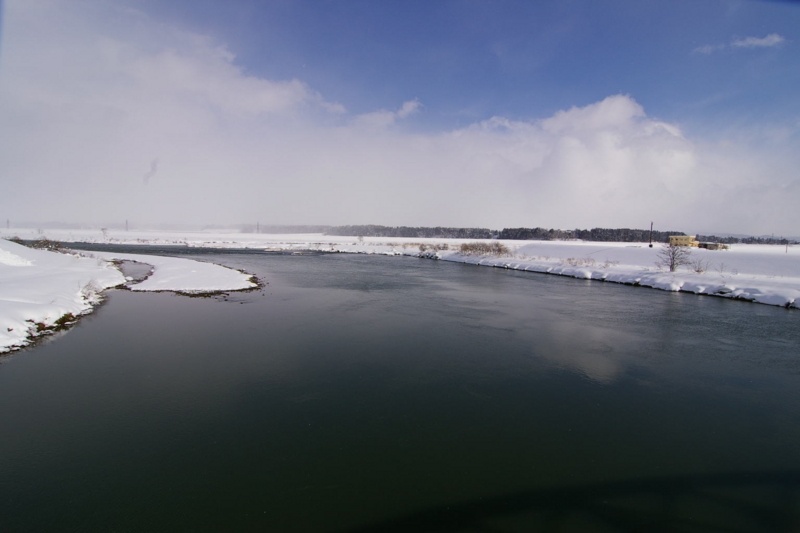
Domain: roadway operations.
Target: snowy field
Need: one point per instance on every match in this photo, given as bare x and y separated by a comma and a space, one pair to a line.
760, 273
42, 291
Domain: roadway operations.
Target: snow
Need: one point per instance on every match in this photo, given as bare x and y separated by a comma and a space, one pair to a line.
39, 287
767, 274
759, 273
9, 259
183, 275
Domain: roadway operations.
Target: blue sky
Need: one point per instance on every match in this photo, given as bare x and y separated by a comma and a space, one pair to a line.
568, 114
468, 60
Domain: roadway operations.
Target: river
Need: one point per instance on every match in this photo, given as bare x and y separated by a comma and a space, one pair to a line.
371, 393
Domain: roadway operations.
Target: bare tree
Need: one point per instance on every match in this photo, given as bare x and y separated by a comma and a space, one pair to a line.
699, 266
672, 256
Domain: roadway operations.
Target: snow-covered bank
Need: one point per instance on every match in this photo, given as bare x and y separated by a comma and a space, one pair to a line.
770, 290
760, 273
183, 275
41, 290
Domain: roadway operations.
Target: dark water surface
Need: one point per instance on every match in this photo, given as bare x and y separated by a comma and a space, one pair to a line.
368, 393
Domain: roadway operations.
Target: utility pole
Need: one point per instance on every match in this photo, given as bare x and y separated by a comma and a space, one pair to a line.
651, 234
126, 224
258, 228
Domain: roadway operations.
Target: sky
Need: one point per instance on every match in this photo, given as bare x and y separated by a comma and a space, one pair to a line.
569, 114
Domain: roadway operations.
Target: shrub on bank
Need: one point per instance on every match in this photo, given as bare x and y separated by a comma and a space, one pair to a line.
485, 248
424, 247
46, 244
41, 244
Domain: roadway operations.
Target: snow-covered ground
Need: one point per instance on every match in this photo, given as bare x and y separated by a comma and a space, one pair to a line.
38, 288
183, 275
41, 291
760, 273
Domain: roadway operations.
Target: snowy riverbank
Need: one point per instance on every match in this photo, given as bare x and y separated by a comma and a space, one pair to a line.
43, 291
183, 275
718, 272
759, 273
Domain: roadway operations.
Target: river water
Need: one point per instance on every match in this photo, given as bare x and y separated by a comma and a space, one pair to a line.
370, 393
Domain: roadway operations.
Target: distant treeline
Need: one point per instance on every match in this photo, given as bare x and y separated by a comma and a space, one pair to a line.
372, 230
745, 240
594, 234
527, 234
524, 234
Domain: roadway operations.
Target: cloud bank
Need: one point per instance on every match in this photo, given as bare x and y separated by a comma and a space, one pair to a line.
90, 93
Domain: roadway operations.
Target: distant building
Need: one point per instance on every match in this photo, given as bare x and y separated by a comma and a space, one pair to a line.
713, 246
683, 240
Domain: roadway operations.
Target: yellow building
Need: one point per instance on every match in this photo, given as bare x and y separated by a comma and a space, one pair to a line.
683, 240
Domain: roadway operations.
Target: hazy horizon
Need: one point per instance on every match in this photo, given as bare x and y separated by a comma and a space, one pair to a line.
574, 115
277, 229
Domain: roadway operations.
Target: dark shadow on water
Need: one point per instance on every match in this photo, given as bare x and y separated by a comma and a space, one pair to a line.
760, 501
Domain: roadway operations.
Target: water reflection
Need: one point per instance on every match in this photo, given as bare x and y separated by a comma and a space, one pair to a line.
596, 352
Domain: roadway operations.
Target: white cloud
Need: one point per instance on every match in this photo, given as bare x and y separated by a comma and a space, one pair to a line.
613, 112
708, 49
409, 108
773, 39
384, 119
86, 57
91, 95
